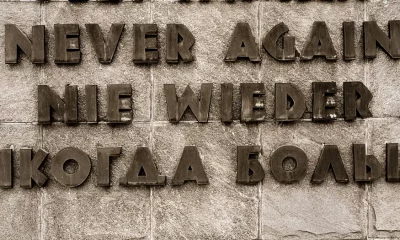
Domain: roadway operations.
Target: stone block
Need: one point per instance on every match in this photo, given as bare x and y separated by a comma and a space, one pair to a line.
220, 210
383, 206
304, 210
382, 73
19, 97
20, 209
89, 211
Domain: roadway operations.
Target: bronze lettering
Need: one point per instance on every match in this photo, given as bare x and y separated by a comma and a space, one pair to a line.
119, 103
374, 35
103, 163
285, 53
366, 167
286, 153
253, 107
356, 100
289, 102
190, 168
145, 46
15, 39
6, 171
67, 48
349, 49
177, 107
226, 102
91, 103
105, 48
243, 45
324, 101
249, 169
143, 171
29, 169
330, 158
71, 179
319, 43
392, 162
179, 42
67, 108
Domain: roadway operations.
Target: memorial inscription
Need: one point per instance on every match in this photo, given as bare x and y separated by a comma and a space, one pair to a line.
179, 41
143, 171
290, 104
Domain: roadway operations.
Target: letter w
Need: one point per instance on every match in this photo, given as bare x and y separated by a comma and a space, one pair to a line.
177, 107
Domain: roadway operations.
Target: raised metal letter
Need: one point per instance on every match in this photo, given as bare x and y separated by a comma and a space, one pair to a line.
330, 158
287, 50
145, 47
324, 101
143, 171
6, 171
392, 162
319, 43
71, 179
366, 167
289, 102
103, 164
249, 169
349, 50
119, 103
105, 48
356, 100
226, 102
190, 168
243, 45
30, 168
67, 49
286, 153
253, 109
373, 35
177, 107
91, 103
48, 99
15, 38
179, 42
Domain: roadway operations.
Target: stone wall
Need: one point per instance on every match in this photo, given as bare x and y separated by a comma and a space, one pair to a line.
222, 209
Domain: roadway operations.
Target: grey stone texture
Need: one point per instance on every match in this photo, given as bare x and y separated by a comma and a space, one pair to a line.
89, 211
20, 209
19, 100
223, 209
220, 210
382, 205
313, 211
382, 71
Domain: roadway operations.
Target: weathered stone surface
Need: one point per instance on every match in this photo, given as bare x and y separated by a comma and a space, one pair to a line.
299, 17
309, 211
382, 73
220, 210
88, 211
212, 25
383, 204
18, 99
20, 211
381, 76
90, 71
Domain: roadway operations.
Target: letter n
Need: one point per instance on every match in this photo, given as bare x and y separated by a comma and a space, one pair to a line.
48, 100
